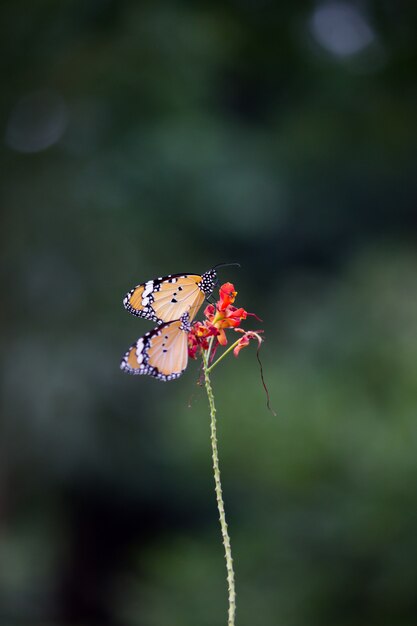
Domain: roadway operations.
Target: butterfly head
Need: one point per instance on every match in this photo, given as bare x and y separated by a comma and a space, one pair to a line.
208, 281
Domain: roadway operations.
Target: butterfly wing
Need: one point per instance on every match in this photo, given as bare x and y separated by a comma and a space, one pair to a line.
167, 298
161, 353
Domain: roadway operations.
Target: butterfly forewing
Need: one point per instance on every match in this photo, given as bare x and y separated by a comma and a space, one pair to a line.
174, 299
161, 353
166, 299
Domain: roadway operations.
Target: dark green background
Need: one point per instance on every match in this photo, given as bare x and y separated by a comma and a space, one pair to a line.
142, 139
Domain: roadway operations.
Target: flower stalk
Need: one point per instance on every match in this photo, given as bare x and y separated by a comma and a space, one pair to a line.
225, 353
219, 494
204, 339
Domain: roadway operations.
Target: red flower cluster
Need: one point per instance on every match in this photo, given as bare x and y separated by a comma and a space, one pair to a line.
220, 317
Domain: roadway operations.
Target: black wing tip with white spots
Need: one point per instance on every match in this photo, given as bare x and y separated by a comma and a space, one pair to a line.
147, 313
147, 370
144, 314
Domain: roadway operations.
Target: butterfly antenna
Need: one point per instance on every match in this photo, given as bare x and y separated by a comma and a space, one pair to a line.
226, 265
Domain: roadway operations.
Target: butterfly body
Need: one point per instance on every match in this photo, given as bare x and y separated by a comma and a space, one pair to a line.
166, 298
162, 352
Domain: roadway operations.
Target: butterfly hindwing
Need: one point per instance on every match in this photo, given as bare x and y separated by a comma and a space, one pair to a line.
162, 352
167, 298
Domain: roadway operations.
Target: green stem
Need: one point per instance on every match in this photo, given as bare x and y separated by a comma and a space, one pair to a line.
219, 495
229, 349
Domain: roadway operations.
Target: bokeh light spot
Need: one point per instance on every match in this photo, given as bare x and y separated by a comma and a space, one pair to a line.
341, 29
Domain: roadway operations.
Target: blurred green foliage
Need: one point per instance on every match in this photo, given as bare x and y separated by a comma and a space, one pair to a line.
143, 139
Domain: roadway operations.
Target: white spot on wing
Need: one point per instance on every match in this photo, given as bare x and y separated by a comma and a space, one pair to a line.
139, 351
149, 286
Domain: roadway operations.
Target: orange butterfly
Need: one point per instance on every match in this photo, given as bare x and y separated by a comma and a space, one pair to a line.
166, 298
162, 352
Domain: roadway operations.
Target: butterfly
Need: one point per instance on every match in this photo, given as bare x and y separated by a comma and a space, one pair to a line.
162, 352
167, 298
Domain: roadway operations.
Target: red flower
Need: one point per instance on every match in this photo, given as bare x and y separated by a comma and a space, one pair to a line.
199, 336
227, 296
224, 315
245, 339
220, 317
211, 334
